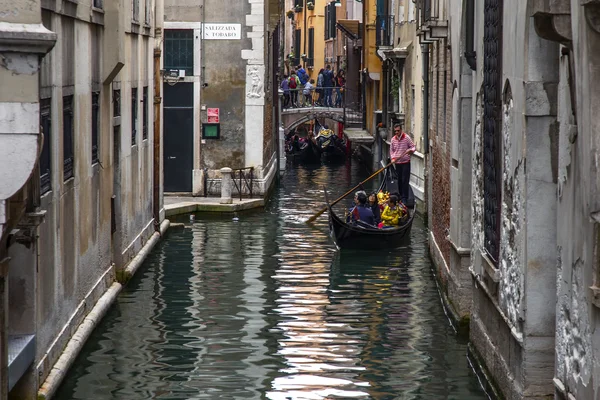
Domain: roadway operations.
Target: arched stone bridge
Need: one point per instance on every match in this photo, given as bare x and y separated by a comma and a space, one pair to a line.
294, 117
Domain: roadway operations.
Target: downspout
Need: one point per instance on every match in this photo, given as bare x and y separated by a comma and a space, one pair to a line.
157, 167
385, 110
470, 53
275, 97
364, 67
425, 52
305, 11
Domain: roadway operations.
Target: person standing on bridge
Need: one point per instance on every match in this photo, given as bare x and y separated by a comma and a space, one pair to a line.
309, 90
401, 148
328, 85
285, 86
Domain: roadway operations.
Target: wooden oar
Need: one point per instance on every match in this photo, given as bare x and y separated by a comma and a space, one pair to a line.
321, 211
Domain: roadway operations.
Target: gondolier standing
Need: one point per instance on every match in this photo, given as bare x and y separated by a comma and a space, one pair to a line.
401, 149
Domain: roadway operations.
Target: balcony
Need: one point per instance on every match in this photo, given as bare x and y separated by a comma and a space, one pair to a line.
431, 28
384, 28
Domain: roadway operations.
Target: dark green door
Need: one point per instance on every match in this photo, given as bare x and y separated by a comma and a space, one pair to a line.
178, 136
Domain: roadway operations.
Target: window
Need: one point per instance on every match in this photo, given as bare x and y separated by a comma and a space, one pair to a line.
134, 115
297, 47
116, 102
311, 47
135, 10
330, 21
98, 4
298, 3
147, 12
95, 125
179, 50
68, 146
45, 166
145, 113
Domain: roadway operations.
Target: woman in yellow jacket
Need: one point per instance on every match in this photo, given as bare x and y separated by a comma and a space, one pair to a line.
392, 213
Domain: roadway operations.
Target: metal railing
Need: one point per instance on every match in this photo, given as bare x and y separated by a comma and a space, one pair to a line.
243, 181
353, 109
331, 97
385, 30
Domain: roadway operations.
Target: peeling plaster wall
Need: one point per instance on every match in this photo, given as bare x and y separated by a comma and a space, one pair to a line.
577, 370
512, 216
513, 312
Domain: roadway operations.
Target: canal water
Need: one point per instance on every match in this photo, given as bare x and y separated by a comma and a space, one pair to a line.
266, 308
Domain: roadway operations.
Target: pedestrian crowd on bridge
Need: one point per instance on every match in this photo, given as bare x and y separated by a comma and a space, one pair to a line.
299, 90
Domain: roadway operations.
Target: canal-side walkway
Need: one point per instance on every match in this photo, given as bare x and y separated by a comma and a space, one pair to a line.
177, 205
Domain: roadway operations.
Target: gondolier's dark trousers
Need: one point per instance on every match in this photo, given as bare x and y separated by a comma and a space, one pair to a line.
403, 174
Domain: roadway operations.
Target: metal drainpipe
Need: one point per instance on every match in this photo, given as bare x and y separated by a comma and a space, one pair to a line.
275, 98
425, 53
385, 111
156, 171
470, 53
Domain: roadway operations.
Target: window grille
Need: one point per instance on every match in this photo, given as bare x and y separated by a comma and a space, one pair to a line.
179, 50
68, 145
134, 115
145, 113
492, 82
95, 125
116, 102
45, 157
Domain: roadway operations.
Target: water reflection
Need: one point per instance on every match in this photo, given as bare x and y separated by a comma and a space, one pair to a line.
266, 308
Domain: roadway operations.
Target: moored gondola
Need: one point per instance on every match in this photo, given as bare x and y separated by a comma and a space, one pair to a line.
305, 151
362, 236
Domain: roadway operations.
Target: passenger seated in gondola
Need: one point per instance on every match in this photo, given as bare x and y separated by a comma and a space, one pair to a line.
361, 213
374, 205
392, 213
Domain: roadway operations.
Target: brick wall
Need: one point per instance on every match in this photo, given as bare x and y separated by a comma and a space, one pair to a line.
440, 135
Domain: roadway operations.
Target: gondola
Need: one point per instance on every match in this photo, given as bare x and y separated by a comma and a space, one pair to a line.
332, 147
350, 236
306, 152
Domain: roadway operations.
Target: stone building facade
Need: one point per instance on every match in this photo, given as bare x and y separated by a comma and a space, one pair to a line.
95, 201
221, 111
522, 227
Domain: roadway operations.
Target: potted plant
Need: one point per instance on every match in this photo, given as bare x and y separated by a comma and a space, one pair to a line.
310, 5
290, 14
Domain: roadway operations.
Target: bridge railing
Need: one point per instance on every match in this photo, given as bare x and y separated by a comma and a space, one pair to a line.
317, 97
353, 109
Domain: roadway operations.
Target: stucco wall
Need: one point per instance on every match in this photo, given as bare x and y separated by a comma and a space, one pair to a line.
235, 80
78, 253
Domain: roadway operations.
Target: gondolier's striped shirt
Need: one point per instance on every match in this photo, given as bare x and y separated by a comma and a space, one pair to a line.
400, 146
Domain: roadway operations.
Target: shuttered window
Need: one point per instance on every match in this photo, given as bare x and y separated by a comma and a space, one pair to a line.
311, 47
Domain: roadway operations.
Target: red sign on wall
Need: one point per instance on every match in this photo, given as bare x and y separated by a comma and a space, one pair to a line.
213, 115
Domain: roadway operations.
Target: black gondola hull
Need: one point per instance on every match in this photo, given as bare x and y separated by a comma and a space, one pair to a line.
349, 236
